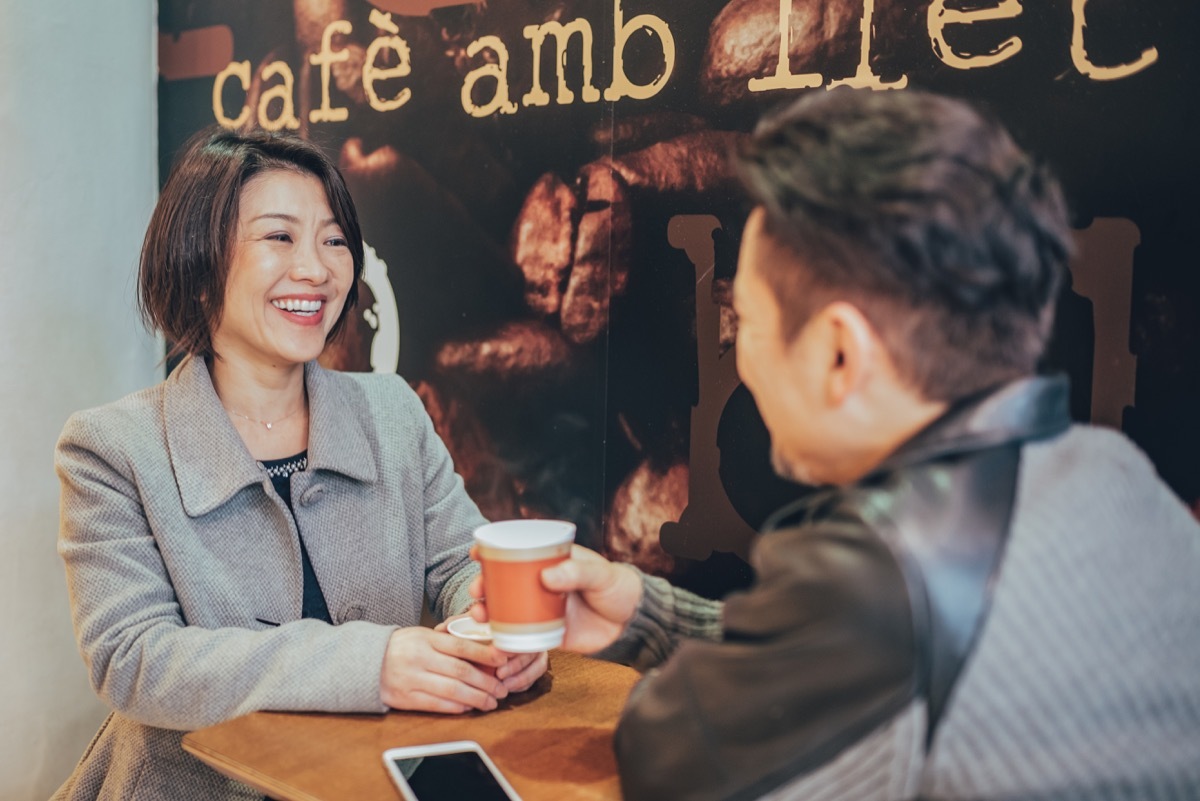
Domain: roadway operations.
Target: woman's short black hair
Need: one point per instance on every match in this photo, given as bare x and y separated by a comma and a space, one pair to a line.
923, 212
189, 243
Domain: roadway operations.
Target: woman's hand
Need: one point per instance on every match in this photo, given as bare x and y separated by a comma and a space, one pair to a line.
432, 671
522, 670
603, 598
519, 671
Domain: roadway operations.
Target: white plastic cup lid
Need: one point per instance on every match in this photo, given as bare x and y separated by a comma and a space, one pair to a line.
522, 534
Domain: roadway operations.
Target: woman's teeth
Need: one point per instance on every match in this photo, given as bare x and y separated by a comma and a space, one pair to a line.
305, 307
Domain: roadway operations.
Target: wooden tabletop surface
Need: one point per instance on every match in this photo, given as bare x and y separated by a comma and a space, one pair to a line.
553, 742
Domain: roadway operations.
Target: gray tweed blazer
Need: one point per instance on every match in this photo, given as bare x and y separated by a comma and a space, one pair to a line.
183, 566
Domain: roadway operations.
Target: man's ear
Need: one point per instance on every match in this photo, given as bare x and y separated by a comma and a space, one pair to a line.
854, 351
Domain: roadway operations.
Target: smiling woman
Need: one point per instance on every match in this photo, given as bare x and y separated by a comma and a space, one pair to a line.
290, 273
257, 532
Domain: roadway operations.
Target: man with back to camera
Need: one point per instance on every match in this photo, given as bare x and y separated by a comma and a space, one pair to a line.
985, 601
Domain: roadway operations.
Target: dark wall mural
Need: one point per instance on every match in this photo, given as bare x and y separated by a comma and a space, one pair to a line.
552, 222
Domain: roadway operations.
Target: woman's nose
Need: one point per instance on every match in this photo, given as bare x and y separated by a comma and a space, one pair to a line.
308, 265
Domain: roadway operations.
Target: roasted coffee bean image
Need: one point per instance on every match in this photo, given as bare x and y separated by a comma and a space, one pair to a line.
695, 163
600, 265
647, 498
516, 351
543, 242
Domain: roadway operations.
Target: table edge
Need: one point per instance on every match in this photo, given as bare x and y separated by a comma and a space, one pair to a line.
245, 774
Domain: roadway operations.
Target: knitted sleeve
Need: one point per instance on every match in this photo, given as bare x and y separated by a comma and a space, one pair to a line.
666, 617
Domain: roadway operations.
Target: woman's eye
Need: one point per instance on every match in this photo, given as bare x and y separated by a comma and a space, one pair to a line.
280, 237
338, 241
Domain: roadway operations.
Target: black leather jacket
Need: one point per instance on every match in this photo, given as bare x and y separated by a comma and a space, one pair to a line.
866, 597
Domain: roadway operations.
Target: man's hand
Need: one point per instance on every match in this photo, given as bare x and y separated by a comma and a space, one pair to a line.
432, 671
603, 597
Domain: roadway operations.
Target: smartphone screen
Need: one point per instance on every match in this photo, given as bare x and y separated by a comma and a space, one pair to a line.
451, 777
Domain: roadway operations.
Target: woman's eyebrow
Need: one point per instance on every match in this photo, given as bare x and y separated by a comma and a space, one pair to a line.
275, 215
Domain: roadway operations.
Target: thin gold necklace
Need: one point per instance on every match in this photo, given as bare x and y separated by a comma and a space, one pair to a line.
267, 424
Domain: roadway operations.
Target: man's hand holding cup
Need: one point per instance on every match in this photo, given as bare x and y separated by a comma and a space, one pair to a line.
600, 596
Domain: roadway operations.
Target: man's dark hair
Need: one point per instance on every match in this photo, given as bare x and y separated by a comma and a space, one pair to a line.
925, 215
189, 243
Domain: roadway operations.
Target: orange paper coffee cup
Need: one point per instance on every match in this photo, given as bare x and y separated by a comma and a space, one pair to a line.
525, 617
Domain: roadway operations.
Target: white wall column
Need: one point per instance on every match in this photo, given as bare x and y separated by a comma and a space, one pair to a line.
78, 178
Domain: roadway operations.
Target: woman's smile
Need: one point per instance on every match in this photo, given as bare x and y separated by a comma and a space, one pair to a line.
302, 309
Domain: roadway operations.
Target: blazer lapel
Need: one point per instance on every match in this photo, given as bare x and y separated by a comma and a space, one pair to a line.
210, 462
209, 459
336, 439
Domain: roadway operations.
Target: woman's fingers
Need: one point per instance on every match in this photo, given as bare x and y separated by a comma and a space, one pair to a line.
458, 691
469, 650
521, 673
420, 662
421, 701
515, 664
455, 683
467, 674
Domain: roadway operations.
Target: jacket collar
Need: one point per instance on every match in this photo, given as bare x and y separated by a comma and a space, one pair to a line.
209, 459
1026, 409
1021, 411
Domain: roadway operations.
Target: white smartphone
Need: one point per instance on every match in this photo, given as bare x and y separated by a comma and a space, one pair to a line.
447, 772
